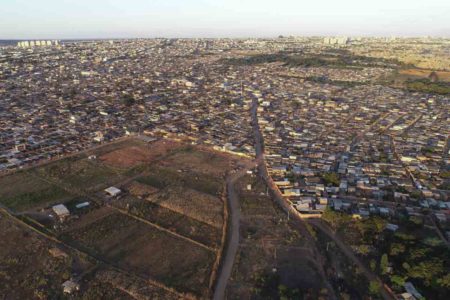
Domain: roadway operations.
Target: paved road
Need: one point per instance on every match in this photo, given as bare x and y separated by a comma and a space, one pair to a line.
232, 238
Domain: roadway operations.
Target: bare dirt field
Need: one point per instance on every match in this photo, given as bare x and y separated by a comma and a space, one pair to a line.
79, 174
192, 203
422, 73
27, 268
273, 260
171, 220
145, 250
132, 156
166, 227
210, 163
109, 284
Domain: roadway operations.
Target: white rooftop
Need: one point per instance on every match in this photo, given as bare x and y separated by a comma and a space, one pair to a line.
113, 191
61, 210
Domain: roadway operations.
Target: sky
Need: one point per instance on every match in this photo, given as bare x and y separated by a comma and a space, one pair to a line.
79, 19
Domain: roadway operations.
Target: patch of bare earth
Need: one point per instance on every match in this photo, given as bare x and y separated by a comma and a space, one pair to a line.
132, 156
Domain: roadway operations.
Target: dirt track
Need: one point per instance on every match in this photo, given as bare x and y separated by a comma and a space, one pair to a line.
233, 238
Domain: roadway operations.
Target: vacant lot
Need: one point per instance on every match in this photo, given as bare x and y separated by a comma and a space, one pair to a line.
171, 220
203, 162
273, 260
422, 73
138, 154
140, 248
80, 174
161, 177
27, 269
168, 184
192, 203
22, 191
109, 284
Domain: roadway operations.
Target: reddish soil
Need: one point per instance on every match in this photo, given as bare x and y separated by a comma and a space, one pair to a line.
132, 156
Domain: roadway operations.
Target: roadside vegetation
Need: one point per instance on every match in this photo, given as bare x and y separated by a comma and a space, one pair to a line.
413, 253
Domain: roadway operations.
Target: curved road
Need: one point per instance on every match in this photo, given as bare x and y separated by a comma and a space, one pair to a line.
232, 242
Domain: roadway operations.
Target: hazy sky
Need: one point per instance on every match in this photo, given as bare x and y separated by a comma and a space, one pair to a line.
27, 19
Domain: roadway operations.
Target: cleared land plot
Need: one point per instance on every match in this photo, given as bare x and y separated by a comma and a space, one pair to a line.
192, 203
109, 284
28, 270
22, 190
268, 241
160, 177
138, 153
422, 73
80, 174
204, 162
171, 220
140, 248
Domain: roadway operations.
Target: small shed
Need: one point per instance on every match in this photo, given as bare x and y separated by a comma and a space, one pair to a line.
61, 211
113, 191
70, 287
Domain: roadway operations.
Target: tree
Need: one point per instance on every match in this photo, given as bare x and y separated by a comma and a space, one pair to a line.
384, 263
373, 265
128, 100
396, 249
335, 219
444, 281
363, 249
331, 178
398, 281
374, 288
427, 270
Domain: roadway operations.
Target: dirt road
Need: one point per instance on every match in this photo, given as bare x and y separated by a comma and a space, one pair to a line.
232, 243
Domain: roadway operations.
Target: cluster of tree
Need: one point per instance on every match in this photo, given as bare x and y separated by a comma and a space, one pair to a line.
425, 261
428, 86
324, 79
334, 60
331, 178
413, 256
128, 100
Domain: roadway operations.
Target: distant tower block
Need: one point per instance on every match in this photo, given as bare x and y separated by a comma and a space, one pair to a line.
26, 44
56, 42
49, 43
37, 43
43, 43
32, 44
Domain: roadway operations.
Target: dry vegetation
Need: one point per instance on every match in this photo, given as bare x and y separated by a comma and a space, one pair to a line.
27, 268
203, 162
23, 190
109, 284
132, 156
145, 250
181, 224
165, 235
79, 174
273, 260
196, 205
423, 73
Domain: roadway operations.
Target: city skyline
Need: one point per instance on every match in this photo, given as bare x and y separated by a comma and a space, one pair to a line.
51, 19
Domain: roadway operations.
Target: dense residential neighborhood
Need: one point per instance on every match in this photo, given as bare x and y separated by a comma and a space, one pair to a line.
351, 132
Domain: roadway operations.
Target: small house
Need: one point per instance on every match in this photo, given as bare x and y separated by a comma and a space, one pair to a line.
61, 211
113, 191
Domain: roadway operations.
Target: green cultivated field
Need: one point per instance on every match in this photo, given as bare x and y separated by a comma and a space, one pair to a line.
23, 190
